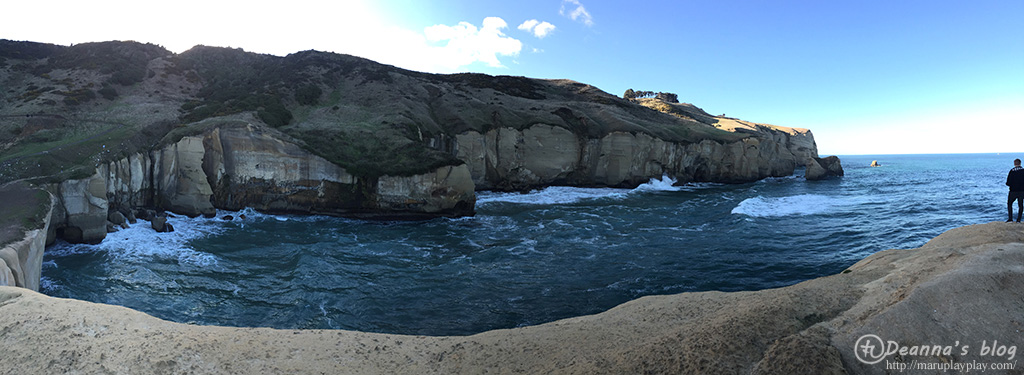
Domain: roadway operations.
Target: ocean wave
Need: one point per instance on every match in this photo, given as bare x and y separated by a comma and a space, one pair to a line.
550, 195
249, 214
139, 242
567, 194
665, 183
804, 204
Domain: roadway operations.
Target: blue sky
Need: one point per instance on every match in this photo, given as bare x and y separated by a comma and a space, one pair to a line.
867, 77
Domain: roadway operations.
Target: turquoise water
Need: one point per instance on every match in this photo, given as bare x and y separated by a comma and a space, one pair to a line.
527, 259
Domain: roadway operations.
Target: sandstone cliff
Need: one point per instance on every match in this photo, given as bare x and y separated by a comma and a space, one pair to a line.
113, 126
962, 290
23, 227
237, 165
371, 120
541, 155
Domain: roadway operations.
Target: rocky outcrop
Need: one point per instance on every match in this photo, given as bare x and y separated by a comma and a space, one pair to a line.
961, 290
252, 168
181, 184
238, 166
82, 209
822, 168
21, 259
540, 155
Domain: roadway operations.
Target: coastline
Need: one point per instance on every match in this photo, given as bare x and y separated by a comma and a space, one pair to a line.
962, 286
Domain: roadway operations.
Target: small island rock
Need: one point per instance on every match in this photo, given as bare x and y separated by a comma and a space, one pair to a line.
822, 168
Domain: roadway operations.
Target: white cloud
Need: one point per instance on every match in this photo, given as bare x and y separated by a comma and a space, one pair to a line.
537, 28
464, 44
528, 25
543, 29
579, 13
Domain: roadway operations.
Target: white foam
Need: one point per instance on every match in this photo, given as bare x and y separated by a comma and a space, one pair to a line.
567, 194
551, 195
139, 242
665, 183
804, 204
251, 215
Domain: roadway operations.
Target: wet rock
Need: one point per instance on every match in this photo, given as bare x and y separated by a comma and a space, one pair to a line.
159, 224
822, 168
129, 216
116, 218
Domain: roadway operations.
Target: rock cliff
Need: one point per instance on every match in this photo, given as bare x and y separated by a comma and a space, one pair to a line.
26, 219
541, 155
369, 119
962, 290
237, 165
112, 126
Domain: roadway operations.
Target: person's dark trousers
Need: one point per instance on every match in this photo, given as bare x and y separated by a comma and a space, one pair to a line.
1015, 196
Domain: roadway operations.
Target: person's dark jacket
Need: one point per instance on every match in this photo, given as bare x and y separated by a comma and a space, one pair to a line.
1015, 179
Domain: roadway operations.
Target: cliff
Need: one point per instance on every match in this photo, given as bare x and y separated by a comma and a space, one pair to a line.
961, 290
114, 126
96, 103
234, 165
23, 227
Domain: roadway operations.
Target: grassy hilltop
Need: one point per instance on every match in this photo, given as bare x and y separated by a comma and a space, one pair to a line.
65, 109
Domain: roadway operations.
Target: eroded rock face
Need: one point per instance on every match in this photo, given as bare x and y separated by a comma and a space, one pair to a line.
249, 168
822, 168
84, 204
540, 155
182, 186
448, 191
21, 262
246, 166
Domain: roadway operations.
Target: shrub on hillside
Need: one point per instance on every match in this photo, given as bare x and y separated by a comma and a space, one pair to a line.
308, 94
76, 97
275, 114
108, 92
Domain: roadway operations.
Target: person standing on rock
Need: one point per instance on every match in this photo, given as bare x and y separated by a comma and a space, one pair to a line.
1015, 180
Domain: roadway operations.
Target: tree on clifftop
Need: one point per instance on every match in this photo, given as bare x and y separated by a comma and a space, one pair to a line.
667, 97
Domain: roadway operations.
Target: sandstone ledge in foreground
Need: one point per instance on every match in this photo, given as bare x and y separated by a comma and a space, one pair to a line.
964, 286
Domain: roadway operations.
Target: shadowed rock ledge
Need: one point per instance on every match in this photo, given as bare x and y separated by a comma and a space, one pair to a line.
964, 287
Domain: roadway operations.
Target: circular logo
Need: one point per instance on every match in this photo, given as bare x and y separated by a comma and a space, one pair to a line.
869, 349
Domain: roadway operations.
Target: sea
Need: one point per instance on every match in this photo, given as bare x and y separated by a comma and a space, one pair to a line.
529, 258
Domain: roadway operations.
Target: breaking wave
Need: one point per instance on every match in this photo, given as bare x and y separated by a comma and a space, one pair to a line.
568, 195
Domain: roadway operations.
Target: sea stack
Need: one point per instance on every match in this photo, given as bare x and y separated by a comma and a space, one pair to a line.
822, 168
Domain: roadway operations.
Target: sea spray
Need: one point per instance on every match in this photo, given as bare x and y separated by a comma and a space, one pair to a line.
568, 195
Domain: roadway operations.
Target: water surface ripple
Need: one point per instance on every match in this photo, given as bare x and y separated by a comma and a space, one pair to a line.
528, 258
